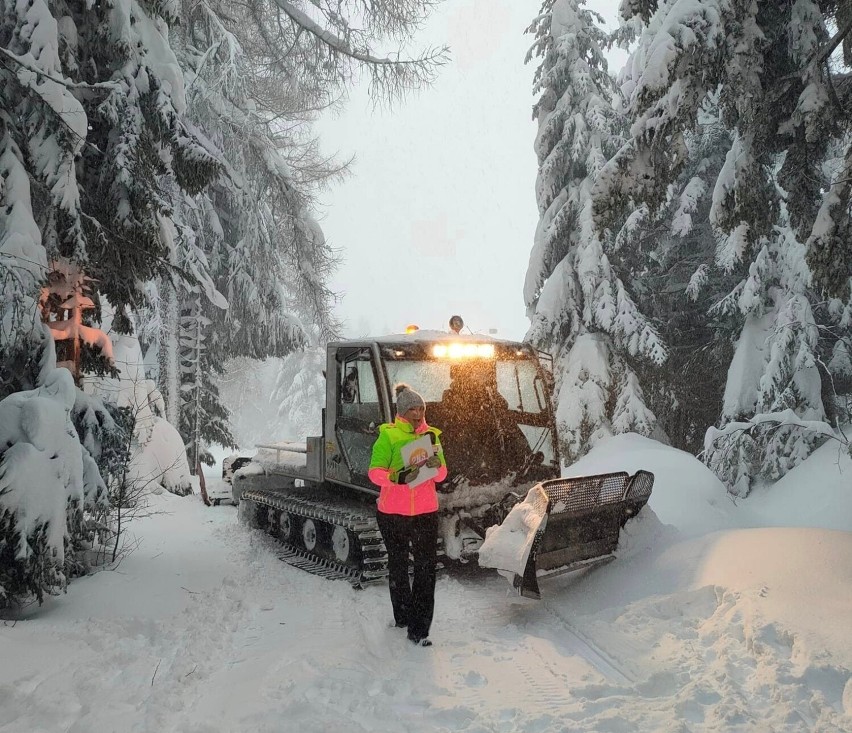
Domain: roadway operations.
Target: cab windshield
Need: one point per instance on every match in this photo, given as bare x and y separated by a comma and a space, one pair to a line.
514, 380
493, 412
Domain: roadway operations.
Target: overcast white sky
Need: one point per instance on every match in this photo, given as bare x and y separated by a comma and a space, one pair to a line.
439, 213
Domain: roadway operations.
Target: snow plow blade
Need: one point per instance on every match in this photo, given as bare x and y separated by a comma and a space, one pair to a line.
564, 525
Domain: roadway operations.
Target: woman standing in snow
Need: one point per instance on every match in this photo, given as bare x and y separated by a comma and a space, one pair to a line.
408, 512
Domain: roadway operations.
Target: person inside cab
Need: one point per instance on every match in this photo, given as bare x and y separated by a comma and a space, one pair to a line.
484, 442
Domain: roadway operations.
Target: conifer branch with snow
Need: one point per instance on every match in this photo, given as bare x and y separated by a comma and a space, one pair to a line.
778, 223
580, 308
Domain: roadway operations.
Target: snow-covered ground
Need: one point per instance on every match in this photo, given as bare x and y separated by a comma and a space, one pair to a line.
711, 619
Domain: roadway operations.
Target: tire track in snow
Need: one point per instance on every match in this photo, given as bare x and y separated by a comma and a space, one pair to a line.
585, 647
546, 686
517, 653
514, 676
577, 643
479, 657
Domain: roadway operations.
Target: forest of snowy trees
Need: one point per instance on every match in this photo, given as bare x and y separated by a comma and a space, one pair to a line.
692, 265
157, 171
690, 272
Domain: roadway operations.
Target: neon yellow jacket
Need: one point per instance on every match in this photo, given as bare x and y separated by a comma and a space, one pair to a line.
386, 464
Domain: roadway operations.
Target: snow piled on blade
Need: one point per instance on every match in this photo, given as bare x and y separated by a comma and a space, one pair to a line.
507, 547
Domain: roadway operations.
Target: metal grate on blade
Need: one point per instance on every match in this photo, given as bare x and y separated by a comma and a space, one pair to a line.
585, 492
640, 486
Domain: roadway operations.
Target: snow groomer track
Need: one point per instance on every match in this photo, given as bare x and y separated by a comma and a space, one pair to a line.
325, 538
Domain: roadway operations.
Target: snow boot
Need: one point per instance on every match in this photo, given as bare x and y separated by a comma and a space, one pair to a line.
420, 641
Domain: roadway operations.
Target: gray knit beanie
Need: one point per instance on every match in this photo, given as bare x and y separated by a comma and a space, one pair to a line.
406, 398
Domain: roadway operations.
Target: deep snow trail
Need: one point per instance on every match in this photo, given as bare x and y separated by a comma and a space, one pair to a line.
204, 630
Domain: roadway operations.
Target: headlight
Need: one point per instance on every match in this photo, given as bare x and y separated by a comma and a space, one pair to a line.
460, 350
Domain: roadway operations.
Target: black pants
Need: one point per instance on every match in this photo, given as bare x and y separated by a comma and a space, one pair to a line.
414, 602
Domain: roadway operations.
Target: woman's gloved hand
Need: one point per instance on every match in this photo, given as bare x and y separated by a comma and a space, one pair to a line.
410, 474
433, 462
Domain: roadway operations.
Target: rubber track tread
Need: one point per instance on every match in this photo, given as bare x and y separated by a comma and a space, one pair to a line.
359, 521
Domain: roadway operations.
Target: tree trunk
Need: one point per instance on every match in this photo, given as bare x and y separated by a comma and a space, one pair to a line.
201, 483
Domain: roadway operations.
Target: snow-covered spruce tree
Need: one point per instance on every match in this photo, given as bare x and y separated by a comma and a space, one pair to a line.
254, 82
774, 370
774, 209
47, 484
300, 392
98, 96
42, 128
47, 479
579, 306
100, 110
152, 155
142, 148
188, 348
24, 340
91, 132
204, 419
670, 255
237, 235
103, 429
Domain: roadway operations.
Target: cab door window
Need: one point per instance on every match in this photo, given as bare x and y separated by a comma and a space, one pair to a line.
359, 414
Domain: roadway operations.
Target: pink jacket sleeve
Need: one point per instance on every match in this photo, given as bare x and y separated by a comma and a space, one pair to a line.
380, 477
